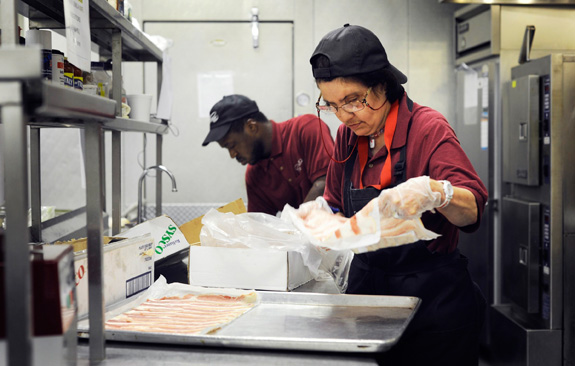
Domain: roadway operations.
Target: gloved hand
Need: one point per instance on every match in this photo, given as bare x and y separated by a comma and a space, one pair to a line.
319, 204
409, 199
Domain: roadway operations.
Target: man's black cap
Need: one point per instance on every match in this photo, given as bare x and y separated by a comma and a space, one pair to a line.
352, 50
228, 110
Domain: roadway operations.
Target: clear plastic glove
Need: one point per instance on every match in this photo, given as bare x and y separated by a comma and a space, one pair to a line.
409, 199
319, 204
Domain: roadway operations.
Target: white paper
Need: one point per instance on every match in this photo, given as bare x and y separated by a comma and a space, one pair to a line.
484, 133
77, 19
213, 86
470, 90
483, 84
164, 110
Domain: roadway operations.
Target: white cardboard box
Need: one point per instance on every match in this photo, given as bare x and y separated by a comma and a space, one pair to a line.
128, 270
168, 238
259, 269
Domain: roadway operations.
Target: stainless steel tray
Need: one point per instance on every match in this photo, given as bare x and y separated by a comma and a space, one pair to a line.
301, 321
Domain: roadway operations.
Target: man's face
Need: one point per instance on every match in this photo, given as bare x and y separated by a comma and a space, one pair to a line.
243, 147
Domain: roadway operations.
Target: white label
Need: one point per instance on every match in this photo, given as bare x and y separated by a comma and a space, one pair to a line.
77, 19
470, 90
484, 133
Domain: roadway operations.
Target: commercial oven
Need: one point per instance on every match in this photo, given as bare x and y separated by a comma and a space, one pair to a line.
505, 252
533, 324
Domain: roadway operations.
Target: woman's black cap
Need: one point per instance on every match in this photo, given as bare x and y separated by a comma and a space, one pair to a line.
351, 50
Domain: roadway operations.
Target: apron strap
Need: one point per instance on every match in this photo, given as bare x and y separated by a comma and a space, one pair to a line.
399, 172
347, 186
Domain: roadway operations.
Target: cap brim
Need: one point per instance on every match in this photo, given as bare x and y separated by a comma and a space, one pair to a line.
216, 133
398, 74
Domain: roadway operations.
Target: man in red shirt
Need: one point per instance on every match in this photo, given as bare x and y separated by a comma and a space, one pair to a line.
287, 161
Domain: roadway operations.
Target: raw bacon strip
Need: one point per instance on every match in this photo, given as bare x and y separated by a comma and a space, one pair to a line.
188, 314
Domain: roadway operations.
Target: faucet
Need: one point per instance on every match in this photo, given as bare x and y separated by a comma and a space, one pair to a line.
141, 181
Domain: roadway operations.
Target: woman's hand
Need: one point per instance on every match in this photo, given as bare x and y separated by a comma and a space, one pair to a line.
409, 199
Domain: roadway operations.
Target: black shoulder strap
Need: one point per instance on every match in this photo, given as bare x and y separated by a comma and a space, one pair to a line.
348, 171
399, 168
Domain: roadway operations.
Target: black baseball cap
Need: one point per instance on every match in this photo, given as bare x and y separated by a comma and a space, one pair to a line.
228, 110
351, 50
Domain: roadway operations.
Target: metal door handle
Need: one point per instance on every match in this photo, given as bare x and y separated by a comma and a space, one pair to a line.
255, 28
522, 131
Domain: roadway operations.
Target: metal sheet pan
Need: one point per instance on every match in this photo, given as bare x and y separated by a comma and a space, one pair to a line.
301, 321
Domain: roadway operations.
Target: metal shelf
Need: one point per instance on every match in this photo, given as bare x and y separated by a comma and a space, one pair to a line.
58, 106
104, 19
26, 101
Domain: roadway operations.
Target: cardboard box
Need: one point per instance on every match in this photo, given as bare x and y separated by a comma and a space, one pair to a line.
168, 238
128, 269
259, 269
191, 229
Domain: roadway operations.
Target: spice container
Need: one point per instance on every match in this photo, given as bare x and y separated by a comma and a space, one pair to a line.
78, 78
57, 67
68, 73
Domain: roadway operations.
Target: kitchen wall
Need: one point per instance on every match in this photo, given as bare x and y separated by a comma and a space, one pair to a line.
417, 35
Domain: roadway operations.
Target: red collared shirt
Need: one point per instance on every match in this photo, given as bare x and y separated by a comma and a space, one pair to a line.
297, 159
432, 150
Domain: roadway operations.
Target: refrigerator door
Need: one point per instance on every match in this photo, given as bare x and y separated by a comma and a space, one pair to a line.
210, 60
476, 124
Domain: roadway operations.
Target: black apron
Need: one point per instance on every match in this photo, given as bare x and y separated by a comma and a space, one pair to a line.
446, 327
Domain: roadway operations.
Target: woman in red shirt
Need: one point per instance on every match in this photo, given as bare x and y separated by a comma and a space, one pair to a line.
407, 154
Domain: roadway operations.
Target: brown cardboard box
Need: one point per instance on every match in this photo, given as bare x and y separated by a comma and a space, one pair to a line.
191, 229
261, 269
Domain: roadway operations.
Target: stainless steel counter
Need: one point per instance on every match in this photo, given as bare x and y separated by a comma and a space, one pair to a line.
128, 354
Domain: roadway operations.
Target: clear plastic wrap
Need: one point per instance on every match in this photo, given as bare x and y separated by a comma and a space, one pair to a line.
257, 230
368, 230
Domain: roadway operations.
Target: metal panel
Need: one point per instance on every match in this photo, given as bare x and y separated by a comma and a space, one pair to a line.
13, 66
104, 20
551, 193
568, 153
476, 127
521, 132
517, 342
521, 236
474, 32
94, 170
16, 254
116, 181
482, 40
35, 186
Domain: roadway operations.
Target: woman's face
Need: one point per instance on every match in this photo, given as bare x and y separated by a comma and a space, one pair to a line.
365, 122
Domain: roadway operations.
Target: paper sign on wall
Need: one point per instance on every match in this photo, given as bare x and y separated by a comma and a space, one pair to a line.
77, 19
213, 86
470, 90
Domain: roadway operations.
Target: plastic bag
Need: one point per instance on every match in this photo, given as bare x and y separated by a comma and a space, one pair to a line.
257, 230
336, 264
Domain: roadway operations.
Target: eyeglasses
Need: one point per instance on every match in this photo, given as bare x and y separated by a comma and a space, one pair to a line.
355, 105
